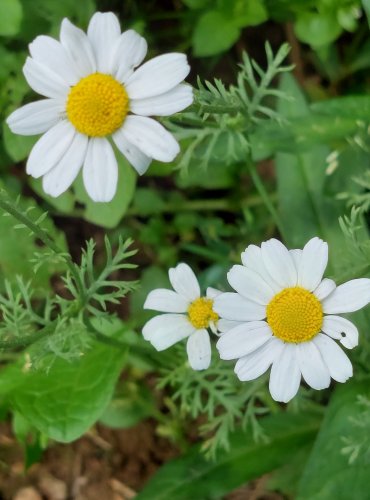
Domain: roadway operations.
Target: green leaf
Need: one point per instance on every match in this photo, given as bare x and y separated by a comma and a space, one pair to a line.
192, 476
10, 17
328, 473
366, 7
249, 12
18, 147
109, 214
317, 29
68, 399
28, 438
123, 412
302, 185
214, 33
64, 203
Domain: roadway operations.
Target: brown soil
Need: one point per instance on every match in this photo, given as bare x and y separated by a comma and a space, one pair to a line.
105, 464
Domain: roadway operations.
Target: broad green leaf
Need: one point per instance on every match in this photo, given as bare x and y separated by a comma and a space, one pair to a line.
18, 147
356, 107
249, 12
65, 401
192, 476
109, 214
302, 133
64, 203
328, 473
10, 17
317, 29
214, 33
304, 206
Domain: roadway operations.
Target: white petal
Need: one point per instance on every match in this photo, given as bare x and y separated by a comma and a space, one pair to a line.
151, 138
212, 293
129, 51
313, 264
50, 148
51, 53
166, 301
166, 329
279, 263
235, 307
199, 351
325, 288
250, 285
285, 375
171, 102
36, 117
103, 32
59, 178
341, 329
157, 76
348, 297
224, 325
312, 366
296, 256
44, 81
134, 155
252, 258
76, 43
100, 171
243, 339
253, 365
339, 366
184, 281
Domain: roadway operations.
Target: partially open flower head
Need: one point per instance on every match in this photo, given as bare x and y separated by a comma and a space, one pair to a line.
188, 315
94, 92
287, 317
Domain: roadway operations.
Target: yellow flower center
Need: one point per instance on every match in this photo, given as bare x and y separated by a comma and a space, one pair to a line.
295, 315
97, 105
201, 313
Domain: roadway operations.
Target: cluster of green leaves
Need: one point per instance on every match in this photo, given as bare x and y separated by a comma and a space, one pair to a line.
67, 349
218, 25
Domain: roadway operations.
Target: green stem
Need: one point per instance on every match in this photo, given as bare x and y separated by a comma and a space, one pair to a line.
265, 195
30, 339
222, 204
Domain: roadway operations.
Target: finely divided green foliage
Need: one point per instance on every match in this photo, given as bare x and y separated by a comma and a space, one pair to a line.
218, 129
90, 290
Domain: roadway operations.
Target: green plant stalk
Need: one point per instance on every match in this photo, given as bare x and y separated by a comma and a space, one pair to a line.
265, 196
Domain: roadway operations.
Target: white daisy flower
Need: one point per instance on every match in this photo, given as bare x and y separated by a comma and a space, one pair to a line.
94, 91
188, 316
287, 314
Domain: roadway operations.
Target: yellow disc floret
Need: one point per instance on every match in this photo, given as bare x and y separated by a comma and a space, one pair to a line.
201, 313
295, 315
97, 105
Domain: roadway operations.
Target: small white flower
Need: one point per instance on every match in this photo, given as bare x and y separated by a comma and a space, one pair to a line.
94, 91
189, 316
287, 318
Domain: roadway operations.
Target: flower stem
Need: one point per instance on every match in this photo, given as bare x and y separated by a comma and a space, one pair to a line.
265, 196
